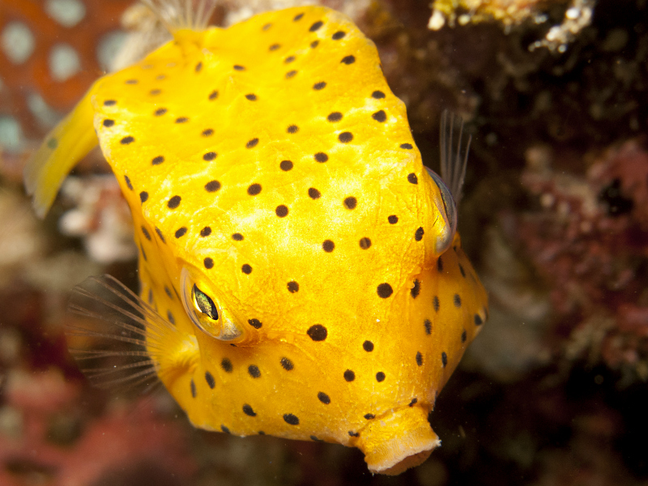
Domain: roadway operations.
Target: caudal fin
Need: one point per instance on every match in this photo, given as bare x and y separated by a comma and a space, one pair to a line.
63, 147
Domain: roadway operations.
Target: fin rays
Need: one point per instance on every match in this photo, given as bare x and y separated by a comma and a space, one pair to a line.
453, 164
183, 14
126, 334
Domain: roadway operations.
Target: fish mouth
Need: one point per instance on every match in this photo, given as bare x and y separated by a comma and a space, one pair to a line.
398, 441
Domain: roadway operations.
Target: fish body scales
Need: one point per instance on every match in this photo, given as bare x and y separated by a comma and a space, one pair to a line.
290, 232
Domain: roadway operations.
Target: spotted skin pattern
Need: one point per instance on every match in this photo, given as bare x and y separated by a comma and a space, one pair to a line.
270, 165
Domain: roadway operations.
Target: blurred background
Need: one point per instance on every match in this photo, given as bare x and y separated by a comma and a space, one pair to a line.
554, 218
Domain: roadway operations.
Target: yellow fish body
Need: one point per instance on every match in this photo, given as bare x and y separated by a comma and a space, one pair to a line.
303, 263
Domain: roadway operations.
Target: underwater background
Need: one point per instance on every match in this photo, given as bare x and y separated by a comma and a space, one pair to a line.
554, 218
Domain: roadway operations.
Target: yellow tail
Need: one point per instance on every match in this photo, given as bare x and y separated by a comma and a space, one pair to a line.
63, 147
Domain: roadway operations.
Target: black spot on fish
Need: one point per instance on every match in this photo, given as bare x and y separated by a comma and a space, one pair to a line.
416, 288
457, 300
385, 290
287, 364
174, 202
345, 137
379, 116
291, 419
209, 378
212, 186
254, 189
328, 246
350, 202
226, 364
317, 332
336, 116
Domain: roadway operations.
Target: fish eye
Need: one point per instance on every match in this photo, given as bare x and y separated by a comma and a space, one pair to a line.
450, 209
204, 304
205, 311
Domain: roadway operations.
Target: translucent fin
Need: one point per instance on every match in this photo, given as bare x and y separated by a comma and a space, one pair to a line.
453, 163
63, 147
183, 14
120, 339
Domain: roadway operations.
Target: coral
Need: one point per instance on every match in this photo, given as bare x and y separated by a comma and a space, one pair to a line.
20, 240
588, 239
49, 56
45, 438
578, 15
100, 216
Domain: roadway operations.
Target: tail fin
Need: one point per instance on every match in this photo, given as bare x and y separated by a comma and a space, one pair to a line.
63, 147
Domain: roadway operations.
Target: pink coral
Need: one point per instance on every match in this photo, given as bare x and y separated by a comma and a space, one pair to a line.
588, 239
119, 440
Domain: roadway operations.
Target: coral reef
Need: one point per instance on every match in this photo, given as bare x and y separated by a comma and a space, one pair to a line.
588, 239
578, 15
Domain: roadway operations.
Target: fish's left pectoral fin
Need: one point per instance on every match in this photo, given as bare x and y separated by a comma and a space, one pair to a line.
121, 342
64, 146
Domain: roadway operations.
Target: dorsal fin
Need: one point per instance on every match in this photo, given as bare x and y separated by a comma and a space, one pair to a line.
453, 163
183, 14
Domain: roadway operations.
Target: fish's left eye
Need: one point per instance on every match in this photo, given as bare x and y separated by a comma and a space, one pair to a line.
204, 303
206, 311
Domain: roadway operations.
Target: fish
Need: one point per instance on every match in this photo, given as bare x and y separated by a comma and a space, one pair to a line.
300, 270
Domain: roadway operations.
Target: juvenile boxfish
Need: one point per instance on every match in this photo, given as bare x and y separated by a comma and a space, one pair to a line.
300, 271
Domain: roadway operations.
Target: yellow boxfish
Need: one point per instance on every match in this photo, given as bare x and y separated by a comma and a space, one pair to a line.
300, 271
